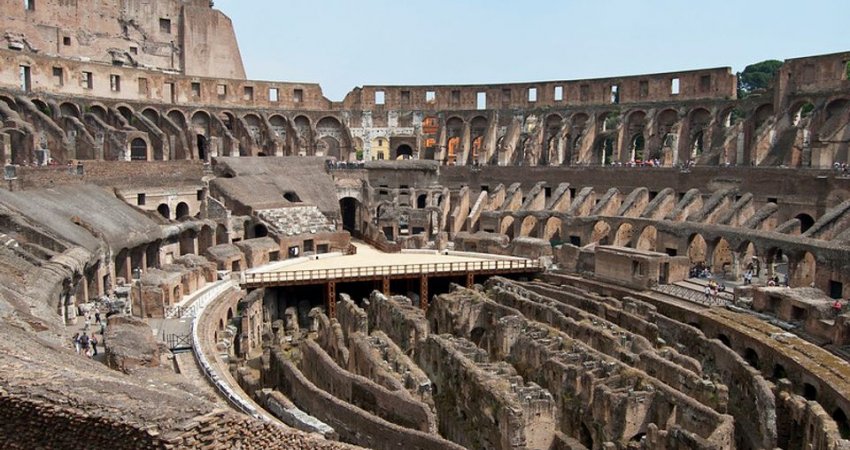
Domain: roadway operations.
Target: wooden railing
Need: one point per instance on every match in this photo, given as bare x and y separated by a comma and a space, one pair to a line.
350, 273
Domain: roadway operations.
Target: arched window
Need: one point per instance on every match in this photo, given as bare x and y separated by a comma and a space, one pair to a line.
138, 150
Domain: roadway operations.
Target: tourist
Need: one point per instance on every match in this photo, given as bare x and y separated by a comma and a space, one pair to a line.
84, 344
93, 341
97, 316
748, 276
707, 292
76, 340
837, 307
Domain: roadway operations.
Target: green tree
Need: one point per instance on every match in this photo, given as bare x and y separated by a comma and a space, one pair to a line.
757, 77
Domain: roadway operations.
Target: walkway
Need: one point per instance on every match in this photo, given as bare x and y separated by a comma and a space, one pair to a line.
371, 264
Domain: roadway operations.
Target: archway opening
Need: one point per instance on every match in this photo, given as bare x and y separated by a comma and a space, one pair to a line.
810, 392
202, 147
349, 207
138, 150
806, 222
164, 211
779, 372
182, 210
840, 418
260, 230
638, 146
421, 201
404, 151
752, 358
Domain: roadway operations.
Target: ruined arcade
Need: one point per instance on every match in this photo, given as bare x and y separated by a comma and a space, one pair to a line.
635, 262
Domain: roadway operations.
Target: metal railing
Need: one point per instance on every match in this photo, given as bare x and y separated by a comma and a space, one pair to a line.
338, 274
190, 310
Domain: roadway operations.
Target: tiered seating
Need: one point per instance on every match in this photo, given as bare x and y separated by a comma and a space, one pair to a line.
297, 220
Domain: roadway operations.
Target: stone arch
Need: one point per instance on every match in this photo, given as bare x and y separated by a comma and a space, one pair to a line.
722, 259
179, 117
600, 233
404, 151
623, 237
254, 126
151, 114
454, 134
260, 230
810, 392
164, 210
647, 241
125, 111
762, 114
800, 112
608, 121
748, 256
68, 109
478, 129
350, 210
507, 226
43, 107
527, 226
777, 262
221, 235
840, 418
201, 128
278, 125
638, 148
421, 201
303, 133
752, 358
329, 146
228, 119
697, 248
206, 239
804, 271
182, 210
604, 150
836, 107
138, 150
552, 230
99, 111
806, 222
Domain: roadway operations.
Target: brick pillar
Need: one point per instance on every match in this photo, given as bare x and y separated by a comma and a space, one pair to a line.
423, 293
331, 299
385, 286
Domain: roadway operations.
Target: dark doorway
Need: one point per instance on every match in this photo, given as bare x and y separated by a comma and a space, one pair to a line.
202, 147
836, 289
806, 222
404, 151
348, 206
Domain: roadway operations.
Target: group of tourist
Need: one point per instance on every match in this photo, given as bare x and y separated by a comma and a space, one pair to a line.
712, 290
841, 168
638, 163
85, 343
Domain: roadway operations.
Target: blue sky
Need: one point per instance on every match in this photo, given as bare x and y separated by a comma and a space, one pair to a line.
342, 44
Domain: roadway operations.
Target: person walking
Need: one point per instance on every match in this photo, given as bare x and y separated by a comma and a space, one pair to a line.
76, 340
84, 344
707, 292
93, 341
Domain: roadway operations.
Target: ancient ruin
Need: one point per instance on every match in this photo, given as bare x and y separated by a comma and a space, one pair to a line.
638, 262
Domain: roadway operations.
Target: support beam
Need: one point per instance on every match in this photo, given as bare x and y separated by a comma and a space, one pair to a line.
385, 286
423, 293
331, 299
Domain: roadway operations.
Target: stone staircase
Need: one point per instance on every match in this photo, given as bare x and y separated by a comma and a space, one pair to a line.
693, 290
296, 220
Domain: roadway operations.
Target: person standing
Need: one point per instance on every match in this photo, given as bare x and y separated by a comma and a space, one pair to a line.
93, 341
76, 340
84, 344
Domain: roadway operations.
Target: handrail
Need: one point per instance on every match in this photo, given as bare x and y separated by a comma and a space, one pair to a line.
385, 271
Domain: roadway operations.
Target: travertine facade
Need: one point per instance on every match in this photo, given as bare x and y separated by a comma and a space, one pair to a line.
146, 175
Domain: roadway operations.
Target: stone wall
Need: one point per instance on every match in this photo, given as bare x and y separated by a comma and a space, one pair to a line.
394, 406
353, 424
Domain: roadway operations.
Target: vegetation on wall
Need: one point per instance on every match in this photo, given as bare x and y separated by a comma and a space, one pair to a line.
757, 77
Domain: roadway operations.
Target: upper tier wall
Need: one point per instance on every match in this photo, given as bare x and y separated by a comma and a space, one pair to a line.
692, 85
